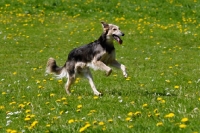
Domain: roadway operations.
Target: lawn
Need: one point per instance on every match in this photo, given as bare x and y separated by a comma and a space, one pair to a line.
160, 49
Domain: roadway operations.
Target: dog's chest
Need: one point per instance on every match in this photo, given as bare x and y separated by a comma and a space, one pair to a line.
107, 57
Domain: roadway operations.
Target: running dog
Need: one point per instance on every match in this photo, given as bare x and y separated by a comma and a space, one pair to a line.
97, 55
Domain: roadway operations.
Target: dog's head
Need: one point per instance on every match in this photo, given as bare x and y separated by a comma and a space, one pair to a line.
112, 32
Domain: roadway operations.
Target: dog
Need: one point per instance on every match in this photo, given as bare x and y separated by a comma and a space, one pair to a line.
97, 55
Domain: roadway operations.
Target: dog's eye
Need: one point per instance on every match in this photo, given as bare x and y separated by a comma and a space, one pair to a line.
114, 29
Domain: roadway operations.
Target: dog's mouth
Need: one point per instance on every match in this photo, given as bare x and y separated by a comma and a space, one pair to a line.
118, 39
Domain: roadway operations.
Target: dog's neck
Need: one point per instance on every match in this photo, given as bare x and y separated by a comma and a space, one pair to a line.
106, 42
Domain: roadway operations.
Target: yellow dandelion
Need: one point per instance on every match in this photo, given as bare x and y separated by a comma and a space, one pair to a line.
184, 119
159, 124
168, 81
128, 78
82, 129
155, 110
128, 119
28, 111
64, 98
110, 120
78, 110
130, 126
95, 97
182, 126
94, 122
101, 123
145, 105
65, 103
2, 107
40, 87
79, 106
104, 128
159, 99
137, 113
170, 115
27, 119
61, 112
71, 121
14, 73
21, 106
162, 101
157, 114
58, 100
52, 95
176, 87
34, 123
60, 81
48, 125
87, 125
3, 93
130, 114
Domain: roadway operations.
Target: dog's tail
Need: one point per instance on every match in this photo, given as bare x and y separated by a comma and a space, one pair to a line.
52, 67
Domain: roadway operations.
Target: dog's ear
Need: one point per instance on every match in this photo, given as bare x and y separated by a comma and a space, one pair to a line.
105, 26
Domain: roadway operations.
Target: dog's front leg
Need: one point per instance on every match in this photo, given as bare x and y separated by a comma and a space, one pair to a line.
116, 64
100, 65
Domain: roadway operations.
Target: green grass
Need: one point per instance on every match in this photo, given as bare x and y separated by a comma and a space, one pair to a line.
161, 51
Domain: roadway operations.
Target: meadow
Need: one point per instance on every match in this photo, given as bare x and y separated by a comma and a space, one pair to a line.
160, 49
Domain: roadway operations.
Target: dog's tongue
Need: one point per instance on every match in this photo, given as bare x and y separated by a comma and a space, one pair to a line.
118, 39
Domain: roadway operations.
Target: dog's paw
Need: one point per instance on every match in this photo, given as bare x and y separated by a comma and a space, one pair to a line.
98, 93
125, 75
109, 72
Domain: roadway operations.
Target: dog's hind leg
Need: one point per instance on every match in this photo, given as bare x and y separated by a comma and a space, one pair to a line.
120, 66
88, 75
70, 81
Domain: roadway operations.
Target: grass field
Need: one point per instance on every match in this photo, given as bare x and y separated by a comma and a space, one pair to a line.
161, 51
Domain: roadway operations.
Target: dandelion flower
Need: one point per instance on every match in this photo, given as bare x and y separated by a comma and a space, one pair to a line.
170, 115
27, 119
159, 124
95, 97
176, 87
101, 123
130, 114
3, 93
82, 129
110, 120
71, 121
159, 99
145, 105
184, 119
64, 98
52, 95
21, 106
48, 125
28, 111
182, 126
137, 113
79, 106
14, 73
128, 119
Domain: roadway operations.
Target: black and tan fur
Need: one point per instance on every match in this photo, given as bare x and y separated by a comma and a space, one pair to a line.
97, 55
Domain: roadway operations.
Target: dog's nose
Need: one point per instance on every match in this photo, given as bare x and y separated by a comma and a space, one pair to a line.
123, 34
